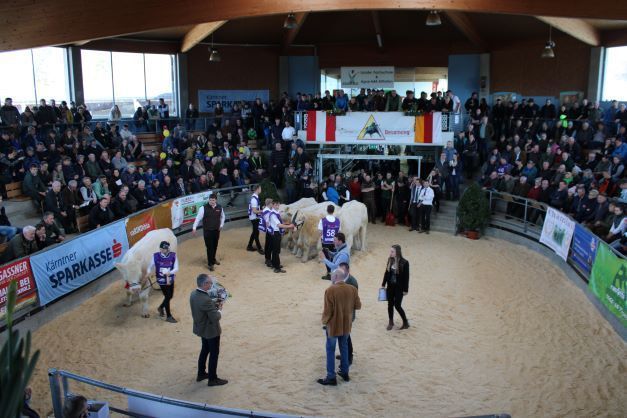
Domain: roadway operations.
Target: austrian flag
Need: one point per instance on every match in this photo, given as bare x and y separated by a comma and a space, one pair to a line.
320, 126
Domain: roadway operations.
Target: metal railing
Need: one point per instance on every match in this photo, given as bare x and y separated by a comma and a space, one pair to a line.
61, 391
525, 217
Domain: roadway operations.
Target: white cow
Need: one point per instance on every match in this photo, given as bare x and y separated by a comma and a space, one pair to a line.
354, 224
136, 261
287, 213
308, 236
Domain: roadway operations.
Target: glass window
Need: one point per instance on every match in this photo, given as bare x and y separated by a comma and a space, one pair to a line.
17, 78
615, 74
97, 82
128, 82
160, 80
51, 74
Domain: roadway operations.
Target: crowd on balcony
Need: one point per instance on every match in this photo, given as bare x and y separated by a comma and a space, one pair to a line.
73, 166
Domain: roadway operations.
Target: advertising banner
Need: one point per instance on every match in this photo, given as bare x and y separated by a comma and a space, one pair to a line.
18, 271
557, 232
139, 225
184, 209
608, 281
367, 77
72, 265
207, 99
584, 248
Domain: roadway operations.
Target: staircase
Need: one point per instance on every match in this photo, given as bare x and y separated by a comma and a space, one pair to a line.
444, 220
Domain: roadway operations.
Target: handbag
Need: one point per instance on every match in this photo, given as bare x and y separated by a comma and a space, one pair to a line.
382, 295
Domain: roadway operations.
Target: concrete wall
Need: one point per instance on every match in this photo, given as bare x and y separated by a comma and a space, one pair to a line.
464, 75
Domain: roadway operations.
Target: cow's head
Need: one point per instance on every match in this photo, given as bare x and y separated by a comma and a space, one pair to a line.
298, 219
132, 274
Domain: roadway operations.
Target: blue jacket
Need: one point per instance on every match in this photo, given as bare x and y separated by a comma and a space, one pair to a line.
621, 152
341, 255
332, 195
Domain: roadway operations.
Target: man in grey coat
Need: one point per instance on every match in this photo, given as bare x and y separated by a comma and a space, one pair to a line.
206, 314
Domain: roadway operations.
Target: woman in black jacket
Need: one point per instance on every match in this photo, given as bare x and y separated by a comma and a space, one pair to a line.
397, 279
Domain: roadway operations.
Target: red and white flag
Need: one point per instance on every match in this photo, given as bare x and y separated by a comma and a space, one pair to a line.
320, 127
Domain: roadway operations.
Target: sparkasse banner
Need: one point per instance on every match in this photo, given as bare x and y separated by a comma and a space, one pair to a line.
207, 99
72, 265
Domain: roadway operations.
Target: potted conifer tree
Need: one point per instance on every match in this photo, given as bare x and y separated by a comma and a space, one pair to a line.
473, 212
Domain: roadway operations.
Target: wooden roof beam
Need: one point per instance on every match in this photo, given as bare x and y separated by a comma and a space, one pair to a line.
462, 22
198, 33
576, 28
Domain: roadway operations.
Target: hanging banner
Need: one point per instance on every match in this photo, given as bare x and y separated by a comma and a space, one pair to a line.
608, 281
367, 77
18, 271
139, 225
557, 232
184, 209
584, 248
207, 99
392, 128
72, 265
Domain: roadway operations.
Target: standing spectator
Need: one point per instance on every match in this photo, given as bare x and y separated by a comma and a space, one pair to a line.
393, 102
206, 314
367, 196
396, 278
425, 204
340, 301
277, 161
191, 115
212, 217
333, 259
9, 115
164, 109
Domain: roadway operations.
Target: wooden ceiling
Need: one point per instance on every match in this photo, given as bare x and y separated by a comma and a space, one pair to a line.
59, 22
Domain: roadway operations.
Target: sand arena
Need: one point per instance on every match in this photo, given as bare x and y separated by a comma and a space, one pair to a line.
495, 327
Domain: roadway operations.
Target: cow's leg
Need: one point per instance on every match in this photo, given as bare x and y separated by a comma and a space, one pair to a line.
362, 236
143, 297
129, 298
349, 242
305, 253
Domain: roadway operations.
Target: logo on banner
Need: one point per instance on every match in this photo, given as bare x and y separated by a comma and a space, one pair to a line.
139, 225
370, 128
352, 76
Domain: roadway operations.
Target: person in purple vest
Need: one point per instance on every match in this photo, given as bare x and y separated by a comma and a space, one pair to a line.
277, 227
264, 221
165, 264
254, 215
328, 226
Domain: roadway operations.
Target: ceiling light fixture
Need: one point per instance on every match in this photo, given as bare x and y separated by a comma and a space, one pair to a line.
290, 22
548, 52
215, 55
433, 18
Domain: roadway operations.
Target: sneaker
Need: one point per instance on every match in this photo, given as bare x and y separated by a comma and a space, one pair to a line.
327, 382
161, 312
217, 382
344, 376
279, 270
251, 249
171, 320
202, 376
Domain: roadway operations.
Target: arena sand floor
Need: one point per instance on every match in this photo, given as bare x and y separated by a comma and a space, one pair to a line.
495, 327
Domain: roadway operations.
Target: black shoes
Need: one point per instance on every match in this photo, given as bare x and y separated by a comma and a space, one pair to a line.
251, 249
279, 270
405, 325
211, 268
217, 382
171, 320
344, 376
201, 377
326, 277
327, 382
217, 263
161, 312
260, 251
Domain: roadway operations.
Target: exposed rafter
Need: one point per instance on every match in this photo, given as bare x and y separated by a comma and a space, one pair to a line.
29, 27
198, 33
290, 34
376, 20
462, 22
576, 28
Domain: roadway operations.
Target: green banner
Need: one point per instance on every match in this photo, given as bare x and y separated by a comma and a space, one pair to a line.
608, 281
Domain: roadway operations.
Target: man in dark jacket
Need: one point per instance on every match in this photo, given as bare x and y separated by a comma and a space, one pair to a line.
101, 215
54, 203
277, 163
120, 206
33, 186
206, 314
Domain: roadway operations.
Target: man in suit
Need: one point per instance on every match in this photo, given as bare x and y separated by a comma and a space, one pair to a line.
206, 314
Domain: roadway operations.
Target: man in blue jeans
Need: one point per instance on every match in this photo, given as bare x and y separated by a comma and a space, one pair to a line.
340, 301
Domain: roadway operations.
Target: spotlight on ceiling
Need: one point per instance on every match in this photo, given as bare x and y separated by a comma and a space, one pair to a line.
215, 55
433, 18
290, 22
548, 52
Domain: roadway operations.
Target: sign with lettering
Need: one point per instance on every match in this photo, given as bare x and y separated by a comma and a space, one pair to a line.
207, 99
18, 271
184, 209
367, 77
72, 265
